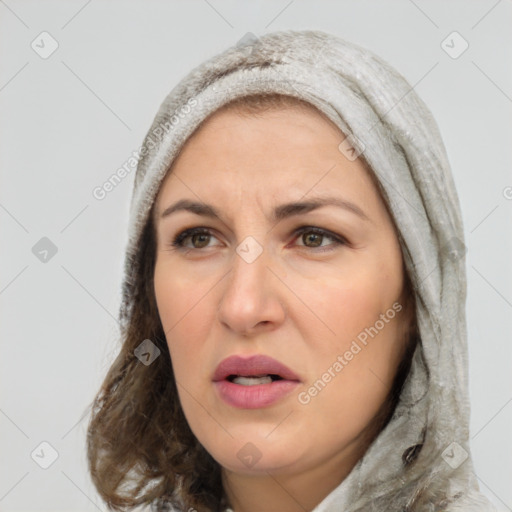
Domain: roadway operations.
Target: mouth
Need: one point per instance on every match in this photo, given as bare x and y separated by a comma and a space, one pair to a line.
254, 370
253, 380
253, 383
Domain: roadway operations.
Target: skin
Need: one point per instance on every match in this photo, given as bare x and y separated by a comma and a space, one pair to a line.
302, 301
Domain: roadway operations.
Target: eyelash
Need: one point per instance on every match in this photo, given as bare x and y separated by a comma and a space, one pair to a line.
177, 243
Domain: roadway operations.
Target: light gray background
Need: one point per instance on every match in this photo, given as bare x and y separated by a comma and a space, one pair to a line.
69, 121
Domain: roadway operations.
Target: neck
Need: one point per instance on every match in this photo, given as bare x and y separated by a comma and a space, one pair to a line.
284, 491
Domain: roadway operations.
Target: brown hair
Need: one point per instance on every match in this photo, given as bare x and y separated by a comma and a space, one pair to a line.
140, 447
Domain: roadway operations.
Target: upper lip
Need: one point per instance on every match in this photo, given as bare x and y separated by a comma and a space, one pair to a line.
252, 366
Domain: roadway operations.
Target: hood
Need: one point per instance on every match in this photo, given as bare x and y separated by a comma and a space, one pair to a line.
421, 461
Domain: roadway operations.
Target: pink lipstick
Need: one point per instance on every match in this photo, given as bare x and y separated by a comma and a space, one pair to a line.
254, 382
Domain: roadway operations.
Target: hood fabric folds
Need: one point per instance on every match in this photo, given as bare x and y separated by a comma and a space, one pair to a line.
421, 461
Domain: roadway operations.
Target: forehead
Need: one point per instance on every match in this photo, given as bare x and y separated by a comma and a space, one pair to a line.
236, 139
288, 120
292, 150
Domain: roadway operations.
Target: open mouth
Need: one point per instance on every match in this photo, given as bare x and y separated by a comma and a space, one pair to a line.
253, 380
254, 370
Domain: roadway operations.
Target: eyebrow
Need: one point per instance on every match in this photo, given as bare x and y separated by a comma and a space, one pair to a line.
280, 212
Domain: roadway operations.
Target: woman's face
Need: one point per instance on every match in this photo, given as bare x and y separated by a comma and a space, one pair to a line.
326, 304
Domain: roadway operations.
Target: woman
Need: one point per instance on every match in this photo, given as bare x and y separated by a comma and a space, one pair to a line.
293, 314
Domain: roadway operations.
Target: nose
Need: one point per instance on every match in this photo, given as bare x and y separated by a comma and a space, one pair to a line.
251, 301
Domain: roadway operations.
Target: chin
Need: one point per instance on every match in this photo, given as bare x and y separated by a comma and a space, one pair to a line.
258, 456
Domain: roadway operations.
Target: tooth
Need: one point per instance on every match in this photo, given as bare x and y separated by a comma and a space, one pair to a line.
252, 381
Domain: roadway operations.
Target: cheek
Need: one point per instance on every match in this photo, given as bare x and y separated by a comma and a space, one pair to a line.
184, 311
371, 301
361, 307
349, 302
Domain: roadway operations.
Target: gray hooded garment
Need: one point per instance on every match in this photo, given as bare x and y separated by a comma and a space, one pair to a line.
382, 115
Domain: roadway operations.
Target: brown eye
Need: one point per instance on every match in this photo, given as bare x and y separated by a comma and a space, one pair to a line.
200, 238
313, 238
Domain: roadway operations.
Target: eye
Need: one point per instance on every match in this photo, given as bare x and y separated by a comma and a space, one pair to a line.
312, 236
198, 236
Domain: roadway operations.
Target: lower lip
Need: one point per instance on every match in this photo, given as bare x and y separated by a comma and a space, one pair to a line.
254, 397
